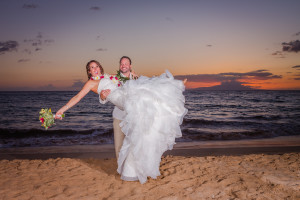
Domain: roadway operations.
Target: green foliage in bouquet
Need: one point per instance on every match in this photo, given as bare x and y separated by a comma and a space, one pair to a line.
47, 118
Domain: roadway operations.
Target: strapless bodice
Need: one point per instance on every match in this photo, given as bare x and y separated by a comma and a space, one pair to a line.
106, 83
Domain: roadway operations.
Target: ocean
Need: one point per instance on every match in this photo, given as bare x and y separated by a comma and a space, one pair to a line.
212, 115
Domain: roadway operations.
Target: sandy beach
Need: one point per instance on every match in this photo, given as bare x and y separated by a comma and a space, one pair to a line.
246, 169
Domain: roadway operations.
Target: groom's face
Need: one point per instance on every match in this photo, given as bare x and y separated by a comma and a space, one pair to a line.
125, 66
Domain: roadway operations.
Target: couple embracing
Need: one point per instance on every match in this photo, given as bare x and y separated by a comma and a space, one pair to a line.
147, 116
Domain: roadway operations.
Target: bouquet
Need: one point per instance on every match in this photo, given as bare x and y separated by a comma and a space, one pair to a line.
47, 118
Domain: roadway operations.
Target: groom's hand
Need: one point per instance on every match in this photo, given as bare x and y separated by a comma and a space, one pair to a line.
104, 94
134, 75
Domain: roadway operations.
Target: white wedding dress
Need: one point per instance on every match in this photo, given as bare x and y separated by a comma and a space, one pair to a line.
154, 112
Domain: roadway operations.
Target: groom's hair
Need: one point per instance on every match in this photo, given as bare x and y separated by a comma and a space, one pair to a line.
88, 68
125, 57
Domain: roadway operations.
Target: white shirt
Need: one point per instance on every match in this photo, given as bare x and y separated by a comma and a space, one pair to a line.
117, 112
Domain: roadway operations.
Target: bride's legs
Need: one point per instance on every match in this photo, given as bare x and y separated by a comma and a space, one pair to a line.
126, 162
129, 169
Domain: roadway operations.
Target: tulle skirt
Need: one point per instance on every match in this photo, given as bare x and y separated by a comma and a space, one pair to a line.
154, 112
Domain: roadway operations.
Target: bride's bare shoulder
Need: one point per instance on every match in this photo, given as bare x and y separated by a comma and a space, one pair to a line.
91, 84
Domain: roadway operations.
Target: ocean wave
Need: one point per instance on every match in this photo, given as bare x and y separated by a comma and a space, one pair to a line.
259, 117
37, 137
198, 135
217, 123
24, 133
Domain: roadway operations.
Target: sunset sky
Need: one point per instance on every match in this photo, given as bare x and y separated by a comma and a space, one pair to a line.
45, 44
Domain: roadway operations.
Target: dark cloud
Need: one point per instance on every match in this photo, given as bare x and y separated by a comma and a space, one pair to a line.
9, 88
101, 49
38, 42
8, 46
260, 74
297, 77
293, 46
209, 45
39, 36
229, 85
207, 78
27, 51
96, 8
23, 60
30, 6
230, 76
279, 54
100, 36
296, 67
48, 41
231, 80
77, 84
297, 34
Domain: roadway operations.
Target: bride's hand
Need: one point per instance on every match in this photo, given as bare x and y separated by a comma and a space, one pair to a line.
104, 94
59, 114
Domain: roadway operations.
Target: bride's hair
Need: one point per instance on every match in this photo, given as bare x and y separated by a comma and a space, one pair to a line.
88, 68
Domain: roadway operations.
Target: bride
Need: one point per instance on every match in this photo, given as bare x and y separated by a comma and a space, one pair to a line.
154, 112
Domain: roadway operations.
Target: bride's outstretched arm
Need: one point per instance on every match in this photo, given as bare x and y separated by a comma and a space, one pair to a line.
89, 85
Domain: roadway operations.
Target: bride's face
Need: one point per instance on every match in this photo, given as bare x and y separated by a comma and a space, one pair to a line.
94, 69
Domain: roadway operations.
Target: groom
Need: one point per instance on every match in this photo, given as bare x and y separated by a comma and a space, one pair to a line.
118, 115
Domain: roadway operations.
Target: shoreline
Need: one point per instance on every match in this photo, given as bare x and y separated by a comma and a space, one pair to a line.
277, 145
